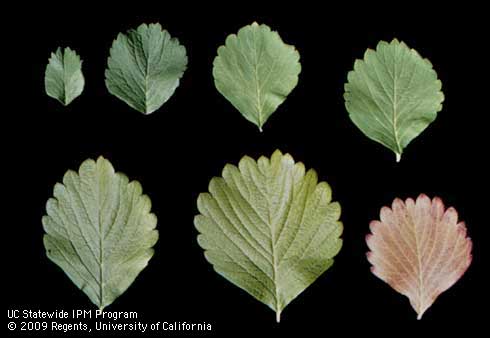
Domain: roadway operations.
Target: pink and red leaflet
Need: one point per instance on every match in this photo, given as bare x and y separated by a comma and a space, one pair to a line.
419, 249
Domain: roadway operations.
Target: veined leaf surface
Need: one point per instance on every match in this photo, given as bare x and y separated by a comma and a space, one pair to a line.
393, 95
63, 79
144, 67
99, 230
419, 249
269, 227
255, 70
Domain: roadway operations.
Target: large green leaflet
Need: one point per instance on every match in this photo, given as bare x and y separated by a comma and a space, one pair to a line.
145, 67
99, 230
393, 95
63, 79
269, 227
255, 70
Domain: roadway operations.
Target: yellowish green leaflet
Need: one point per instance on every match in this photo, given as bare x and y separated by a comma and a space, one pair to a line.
99, 230
269, 227
144, 67
392, 95
63, 79
255, 70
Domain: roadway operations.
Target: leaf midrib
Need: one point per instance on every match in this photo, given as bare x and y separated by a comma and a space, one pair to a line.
257, 84
273, 249
395, 108
147, 70
101, 245
421, 289
65, 77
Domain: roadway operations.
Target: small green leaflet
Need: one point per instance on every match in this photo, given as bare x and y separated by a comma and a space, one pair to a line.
393, 95
144, 67
255, 70
99, 230
63, 79
269, 227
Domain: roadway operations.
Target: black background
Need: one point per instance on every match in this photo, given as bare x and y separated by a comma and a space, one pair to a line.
175, 151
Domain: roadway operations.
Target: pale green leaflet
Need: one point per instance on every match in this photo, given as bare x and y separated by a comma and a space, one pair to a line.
255, 70
63, 78
144, 67
99, 230
392, 95
269, 227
